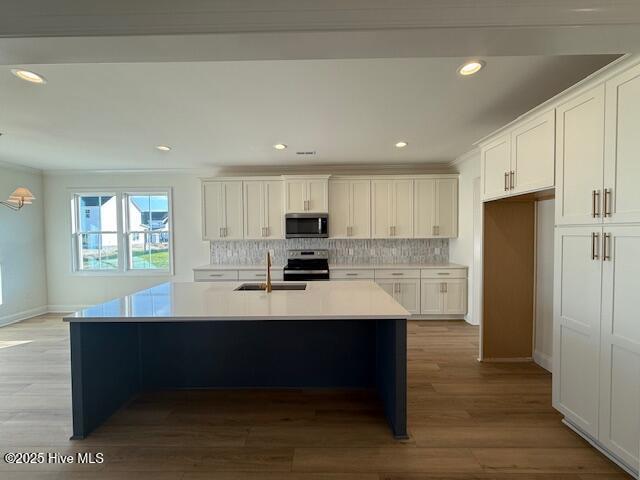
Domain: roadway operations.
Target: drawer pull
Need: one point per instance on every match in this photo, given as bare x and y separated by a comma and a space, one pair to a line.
444, 273
397, 274
216, 275
260, 274
352, 274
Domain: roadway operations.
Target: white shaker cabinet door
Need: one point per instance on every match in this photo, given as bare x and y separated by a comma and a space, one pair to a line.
455, 297
620, 344
273, 212
387, 286
222, 210
496, 165
432, 297
621, 197
360, 209
407, 294
580, 159
295, 195
577, 283
317, 196
253, 209
212, 211
403, 209
447, 208
425, 208
533, 154
233, 207
339, 208
382, 206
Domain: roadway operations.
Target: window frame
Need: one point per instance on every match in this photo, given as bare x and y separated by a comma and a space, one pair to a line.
122, 194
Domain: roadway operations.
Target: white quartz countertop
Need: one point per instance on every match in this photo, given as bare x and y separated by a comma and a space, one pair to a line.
237, 267
393, 266
207, 301
364, 266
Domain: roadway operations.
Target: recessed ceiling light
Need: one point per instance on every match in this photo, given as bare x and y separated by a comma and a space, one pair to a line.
163, 148
279, 146
28, 76
471, 67
401, 144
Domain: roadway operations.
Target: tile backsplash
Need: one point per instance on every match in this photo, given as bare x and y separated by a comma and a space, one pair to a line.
380, 251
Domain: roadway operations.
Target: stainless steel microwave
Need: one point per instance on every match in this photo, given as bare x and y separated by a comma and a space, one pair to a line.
306, 225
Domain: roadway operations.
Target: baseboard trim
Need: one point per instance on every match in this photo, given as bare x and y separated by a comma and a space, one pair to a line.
65, 308
436, 317
24, 315
543, 360
507, 360
627, 468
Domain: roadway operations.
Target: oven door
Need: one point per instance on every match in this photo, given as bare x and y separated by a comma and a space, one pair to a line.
304, 225
306, 275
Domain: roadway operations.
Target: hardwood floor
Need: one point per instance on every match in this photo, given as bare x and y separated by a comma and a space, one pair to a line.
467, 421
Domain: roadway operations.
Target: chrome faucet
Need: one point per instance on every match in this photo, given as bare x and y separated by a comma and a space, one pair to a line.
267, 286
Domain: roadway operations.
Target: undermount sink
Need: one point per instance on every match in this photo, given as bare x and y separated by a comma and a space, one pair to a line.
274, 286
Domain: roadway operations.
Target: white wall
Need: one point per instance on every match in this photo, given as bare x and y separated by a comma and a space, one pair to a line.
68, 290
461, 248
22, 247
543, 349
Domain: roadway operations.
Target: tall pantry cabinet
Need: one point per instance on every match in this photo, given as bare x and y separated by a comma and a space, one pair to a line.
596, 371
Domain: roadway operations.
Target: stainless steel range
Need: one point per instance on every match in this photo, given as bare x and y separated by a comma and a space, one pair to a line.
307, 265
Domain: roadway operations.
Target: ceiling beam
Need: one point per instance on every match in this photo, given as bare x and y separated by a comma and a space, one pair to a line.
441, 42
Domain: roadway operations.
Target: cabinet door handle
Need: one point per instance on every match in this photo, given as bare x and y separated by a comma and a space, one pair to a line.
506, 181
351, 274
444, 273
216, 275
595, 239
397, 274
437, 229
442, 288
607, 202
606, 250
595, 203
222, 231
512, 183
446, 288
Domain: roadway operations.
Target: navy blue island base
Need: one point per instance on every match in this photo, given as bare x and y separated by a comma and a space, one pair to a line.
112, 361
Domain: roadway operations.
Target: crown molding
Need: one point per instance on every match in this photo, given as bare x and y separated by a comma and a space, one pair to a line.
465, 156
20, 168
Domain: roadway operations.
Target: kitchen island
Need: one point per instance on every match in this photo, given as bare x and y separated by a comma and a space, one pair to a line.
209, 335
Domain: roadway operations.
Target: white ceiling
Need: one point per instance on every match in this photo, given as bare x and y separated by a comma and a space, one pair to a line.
110, 116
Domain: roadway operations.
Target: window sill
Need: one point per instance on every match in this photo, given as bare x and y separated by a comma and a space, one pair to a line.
128, 273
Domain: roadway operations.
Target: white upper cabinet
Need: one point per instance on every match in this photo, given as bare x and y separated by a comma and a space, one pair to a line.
392, 208
621, 195
263, 215
620, 344
436, 208
222, 207
521, 160
307, 194
580, 159
496, 167
533, 154
349, 208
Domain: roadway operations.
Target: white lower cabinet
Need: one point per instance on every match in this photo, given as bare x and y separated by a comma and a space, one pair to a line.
620, 345
596, 372
406, 292
444, 296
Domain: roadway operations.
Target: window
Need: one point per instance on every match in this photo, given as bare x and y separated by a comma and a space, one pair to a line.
122, 231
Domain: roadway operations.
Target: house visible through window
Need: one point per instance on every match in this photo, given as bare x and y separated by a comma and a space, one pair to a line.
122, 231
147, 231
